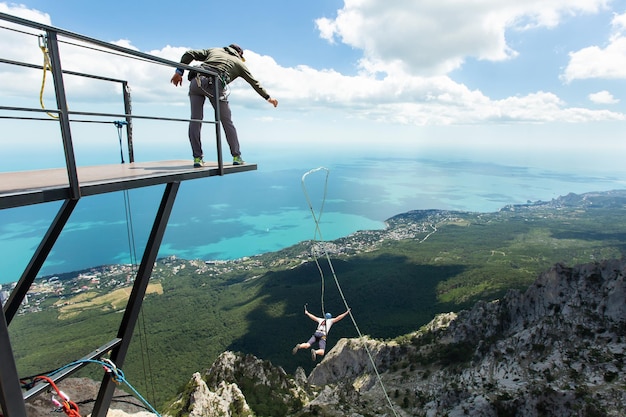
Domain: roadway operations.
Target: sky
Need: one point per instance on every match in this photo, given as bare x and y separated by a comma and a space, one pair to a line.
531, 86
498, 78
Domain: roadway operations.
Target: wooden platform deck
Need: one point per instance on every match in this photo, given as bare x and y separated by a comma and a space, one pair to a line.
32, 187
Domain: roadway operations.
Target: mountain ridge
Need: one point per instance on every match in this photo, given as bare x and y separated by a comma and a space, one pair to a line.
556, 349
470, 257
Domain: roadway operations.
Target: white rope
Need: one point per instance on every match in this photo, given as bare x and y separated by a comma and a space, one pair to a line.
316, 219
132, 250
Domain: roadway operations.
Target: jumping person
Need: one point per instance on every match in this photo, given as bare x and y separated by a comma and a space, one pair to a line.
323, 327
228, 62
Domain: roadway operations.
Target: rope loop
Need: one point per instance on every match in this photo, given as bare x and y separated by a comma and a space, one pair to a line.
119, 124
316, 219
69, 407
117, 375
315, 248
47, 66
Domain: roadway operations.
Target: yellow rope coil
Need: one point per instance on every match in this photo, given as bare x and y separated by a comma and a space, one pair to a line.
46, 67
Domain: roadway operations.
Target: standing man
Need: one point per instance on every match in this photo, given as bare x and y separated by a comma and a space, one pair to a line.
321, 332
228, 62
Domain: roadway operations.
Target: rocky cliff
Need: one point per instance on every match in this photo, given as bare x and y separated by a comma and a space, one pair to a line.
556, 349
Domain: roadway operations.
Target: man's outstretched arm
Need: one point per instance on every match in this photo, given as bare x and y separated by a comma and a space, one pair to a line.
342, 315
311, 316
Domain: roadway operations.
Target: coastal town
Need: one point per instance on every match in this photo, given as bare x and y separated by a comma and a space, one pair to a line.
52, 291
417, 225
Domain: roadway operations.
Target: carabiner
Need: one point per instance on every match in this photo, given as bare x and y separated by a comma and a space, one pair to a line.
43, 41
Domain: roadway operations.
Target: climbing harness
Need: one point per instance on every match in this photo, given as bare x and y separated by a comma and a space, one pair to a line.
318, 232
47, 66
222, 77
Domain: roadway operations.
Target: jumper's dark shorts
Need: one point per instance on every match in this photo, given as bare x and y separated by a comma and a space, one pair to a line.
319, 338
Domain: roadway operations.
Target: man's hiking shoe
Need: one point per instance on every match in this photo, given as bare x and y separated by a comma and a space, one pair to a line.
237, 160
313, 355
198, 163
294, 350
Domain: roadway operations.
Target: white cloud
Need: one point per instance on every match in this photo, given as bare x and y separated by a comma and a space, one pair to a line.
20, 10
619, 23
395, 96
404, 98
436, 36
603, 97
15, 43
597, 62
148, 82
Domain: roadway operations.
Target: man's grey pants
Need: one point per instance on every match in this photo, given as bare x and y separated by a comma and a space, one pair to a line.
197, 96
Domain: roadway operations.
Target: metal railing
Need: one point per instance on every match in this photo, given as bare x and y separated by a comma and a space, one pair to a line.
50, 37
11, 395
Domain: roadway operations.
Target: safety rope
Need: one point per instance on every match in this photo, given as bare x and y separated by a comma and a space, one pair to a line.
69, 407
119, 124
117, 375
130, 232
316, 219
47, 66
145, 356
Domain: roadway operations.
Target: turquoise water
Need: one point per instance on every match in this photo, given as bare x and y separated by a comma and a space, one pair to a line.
261, 211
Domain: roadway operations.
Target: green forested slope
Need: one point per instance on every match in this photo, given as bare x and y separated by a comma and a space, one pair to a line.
393, 289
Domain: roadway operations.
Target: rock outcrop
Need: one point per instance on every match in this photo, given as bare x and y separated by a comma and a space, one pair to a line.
556, 349
225, 399
233, 381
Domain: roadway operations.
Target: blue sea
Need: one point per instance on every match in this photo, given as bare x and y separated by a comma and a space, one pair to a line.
234, 216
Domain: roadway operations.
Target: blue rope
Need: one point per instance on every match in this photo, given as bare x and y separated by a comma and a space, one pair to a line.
116, 374
119, 124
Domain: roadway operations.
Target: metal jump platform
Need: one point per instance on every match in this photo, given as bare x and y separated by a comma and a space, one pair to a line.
72, 182
23, 188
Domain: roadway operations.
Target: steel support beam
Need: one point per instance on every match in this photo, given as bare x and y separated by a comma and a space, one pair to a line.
128, 109
96, 354
10, 389
133, 307
36, 262
64, 118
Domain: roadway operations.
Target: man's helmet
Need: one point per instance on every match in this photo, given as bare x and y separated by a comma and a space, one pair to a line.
328, 316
